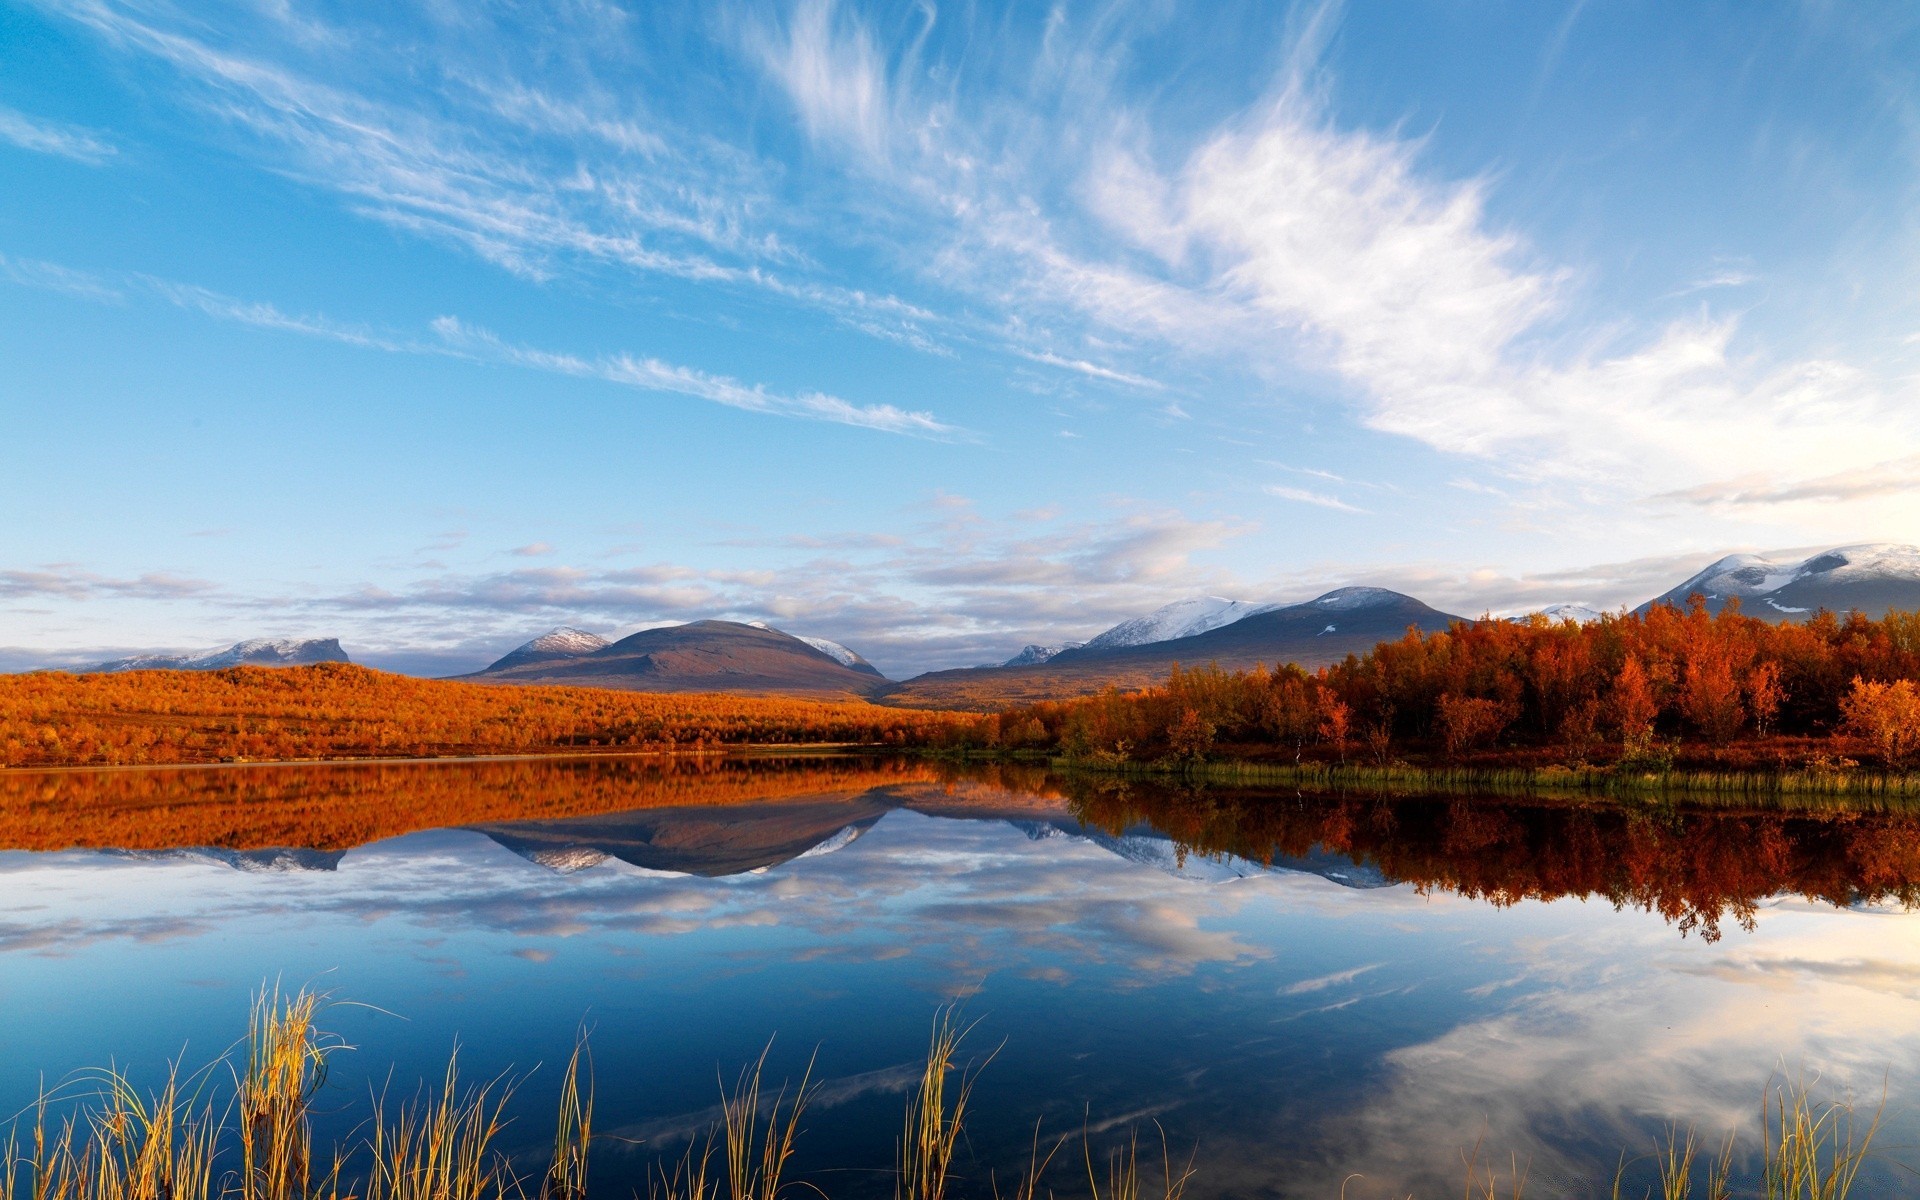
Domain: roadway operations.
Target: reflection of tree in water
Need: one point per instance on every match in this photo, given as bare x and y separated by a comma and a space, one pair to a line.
1696, 867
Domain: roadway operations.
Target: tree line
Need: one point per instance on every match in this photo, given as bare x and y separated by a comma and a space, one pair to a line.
1627, 688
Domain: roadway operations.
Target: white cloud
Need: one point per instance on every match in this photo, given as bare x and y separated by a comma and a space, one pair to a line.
468, 151
44, 137
651, 374
1303, 496
454, 338
1279, 239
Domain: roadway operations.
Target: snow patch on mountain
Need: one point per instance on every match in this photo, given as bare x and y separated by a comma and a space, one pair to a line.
1034, 655
839, 841
255, 652
1182, 618
833, 650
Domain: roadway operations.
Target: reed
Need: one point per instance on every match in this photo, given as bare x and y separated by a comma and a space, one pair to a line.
286, 1064
182, 1142
441, 1145
160, 1147
573, 1131
1813, 1151
935, 1116
1123, 1178
759, 1148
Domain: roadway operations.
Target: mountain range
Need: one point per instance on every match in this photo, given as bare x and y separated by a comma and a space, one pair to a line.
259, 652
752, 657
1871, 578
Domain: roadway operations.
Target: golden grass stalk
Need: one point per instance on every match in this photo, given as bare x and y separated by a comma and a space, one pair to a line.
573, 1131
689, 1180
758, 1149
1486, 1186
935, 1118
1813, 1151
1028, 1187
286, 1065
159, 1147
441, 1146
1124, 1180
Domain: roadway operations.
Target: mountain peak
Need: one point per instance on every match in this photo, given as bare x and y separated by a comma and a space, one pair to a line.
562, 642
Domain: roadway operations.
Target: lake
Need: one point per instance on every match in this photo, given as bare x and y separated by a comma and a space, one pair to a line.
1292, 990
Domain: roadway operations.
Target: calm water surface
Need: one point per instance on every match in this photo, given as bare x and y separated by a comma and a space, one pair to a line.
1304, 988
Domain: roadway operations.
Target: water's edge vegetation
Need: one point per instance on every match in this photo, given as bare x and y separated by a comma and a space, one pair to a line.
241, 1129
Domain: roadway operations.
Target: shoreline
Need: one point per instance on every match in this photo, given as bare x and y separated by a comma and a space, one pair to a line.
747, 750
1587, 782
1852, 787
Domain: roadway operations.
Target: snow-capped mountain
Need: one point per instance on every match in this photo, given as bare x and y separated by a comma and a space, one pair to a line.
561, 643
1182, 618
256, 652
1871, 578
1034, 655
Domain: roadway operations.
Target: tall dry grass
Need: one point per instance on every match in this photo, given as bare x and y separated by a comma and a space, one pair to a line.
255, 1142
936, 1114
100, 1138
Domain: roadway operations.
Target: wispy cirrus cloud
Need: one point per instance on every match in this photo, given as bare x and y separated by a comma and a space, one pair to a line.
452, 337
488, 149
1304, 496
47, 137
1279, 239
654, 375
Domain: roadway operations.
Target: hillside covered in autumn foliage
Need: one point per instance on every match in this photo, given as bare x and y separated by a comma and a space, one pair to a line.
335, 710
1652, 691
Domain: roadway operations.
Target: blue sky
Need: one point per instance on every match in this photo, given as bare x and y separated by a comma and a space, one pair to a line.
934, 329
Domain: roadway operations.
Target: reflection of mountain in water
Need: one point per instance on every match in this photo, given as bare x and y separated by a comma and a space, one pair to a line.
1697, 866
276, 859
711, 841
736, 839
1147, 846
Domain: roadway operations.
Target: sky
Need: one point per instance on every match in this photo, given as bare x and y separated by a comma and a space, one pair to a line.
935, 329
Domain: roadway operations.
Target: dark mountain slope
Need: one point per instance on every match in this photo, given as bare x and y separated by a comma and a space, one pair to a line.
705, 656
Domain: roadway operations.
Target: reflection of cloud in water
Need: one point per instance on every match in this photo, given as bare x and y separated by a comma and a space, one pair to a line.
975, 891
1389, 1029
1612, 1047
667, 1132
